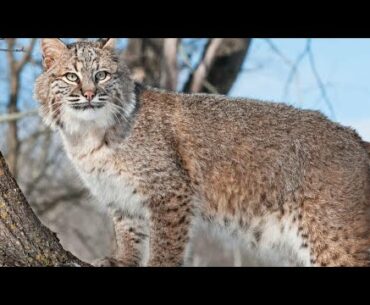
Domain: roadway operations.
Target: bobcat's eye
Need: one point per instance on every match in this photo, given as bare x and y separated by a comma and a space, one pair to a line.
101, 75
71, 77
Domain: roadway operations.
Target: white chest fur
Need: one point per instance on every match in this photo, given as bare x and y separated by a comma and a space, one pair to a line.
115, 191
103, 176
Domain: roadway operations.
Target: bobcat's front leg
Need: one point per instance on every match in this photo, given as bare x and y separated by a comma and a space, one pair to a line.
169, 230
131, 237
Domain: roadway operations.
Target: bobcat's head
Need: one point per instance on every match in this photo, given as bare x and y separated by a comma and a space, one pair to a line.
84, 84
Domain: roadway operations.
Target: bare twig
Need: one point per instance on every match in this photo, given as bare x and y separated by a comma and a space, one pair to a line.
295, 66
322, 88
278, 52
307, 51
27, 55
12, 50
16, 116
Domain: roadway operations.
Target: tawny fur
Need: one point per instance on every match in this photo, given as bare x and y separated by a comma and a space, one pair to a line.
290, 186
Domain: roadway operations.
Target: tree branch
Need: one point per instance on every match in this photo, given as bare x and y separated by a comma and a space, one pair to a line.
16, 116
187, 63
24, 240
221, 63
12, 50
294, 70
27, 55
169, 66
201, 72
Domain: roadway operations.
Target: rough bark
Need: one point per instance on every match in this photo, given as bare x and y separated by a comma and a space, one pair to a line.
220, 65
24, 240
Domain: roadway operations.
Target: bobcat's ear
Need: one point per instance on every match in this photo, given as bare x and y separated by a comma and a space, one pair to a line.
107, 43
52, 49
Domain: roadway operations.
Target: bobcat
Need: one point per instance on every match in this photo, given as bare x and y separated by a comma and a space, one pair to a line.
290, 186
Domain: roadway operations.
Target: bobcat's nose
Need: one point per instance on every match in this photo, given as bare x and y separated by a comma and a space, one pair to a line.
89, 95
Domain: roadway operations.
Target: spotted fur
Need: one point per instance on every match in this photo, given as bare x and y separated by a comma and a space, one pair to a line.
288, 185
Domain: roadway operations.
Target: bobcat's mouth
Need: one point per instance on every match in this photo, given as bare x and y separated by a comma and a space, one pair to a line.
87, 105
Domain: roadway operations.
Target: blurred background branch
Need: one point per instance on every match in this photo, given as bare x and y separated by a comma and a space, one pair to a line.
16, 116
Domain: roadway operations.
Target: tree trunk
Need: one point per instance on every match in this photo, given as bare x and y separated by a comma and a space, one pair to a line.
24, 240
220, 65
169, 73
153, 61
144, 58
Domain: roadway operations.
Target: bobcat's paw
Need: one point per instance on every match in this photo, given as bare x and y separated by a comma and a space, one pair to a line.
106, 262
112, 262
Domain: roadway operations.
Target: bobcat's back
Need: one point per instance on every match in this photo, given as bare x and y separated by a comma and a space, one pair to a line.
271, 170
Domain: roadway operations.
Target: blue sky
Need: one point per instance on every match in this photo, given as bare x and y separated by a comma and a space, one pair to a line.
343, 66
